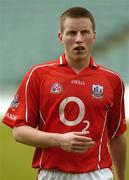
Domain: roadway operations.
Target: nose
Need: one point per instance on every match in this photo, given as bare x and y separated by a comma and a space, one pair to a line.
79, 38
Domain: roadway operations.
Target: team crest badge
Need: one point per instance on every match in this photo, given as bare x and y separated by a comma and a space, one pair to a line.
14, 103
56, 88
97, 91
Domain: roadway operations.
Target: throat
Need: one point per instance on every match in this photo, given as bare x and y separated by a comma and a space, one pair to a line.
78, 66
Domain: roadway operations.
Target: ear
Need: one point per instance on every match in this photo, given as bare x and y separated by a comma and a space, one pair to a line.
60, 36
94, 37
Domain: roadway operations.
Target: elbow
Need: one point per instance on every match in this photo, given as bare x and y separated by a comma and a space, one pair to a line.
17, 134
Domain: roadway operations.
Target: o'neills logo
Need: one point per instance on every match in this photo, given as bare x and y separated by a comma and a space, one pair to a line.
97, 91
56, 88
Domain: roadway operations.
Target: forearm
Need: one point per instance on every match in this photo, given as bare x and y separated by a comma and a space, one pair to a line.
34, 137
118, 149
72, 141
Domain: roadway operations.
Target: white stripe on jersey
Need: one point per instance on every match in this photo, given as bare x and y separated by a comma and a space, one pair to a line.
61, 61
41, 117
41, 157
26, 88
122, 94
101, 140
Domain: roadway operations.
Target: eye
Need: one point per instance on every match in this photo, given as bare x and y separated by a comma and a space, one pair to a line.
85, 32
72, 33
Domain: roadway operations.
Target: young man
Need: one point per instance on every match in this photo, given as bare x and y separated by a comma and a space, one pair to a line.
72, 109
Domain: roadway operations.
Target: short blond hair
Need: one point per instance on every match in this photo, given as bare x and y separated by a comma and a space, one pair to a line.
76, 12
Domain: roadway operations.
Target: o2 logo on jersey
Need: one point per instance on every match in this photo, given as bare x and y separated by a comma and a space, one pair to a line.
80, 116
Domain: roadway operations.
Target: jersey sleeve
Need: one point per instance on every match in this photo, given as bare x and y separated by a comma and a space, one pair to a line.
116, 115
24, 107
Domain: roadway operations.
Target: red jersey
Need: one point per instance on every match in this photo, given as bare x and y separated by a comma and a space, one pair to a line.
54, 98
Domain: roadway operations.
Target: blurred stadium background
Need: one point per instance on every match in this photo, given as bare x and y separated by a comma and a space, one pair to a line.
28, 35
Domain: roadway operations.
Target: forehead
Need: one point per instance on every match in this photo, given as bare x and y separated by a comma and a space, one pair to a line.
77, 23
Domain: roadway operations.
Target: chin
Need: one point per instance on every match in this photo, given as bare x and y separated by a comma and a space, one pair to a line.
80, 56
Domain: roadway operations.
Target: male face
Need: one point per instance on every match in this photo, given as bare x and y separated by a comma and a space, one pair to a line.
77, 38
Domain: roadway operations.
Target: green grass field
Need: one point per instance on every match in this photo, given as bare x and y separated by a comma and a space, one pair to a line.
15, 158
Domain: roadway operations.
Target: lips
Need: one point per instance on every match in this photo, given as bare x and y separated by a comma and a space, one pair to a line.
79, 48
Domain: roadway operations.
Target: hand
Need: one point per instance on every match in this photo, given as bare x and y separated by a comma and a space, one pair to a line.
75, 142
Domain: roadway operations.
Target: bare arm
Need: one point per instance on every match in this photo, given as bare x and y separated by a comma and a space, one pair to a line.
71, 142
118, 149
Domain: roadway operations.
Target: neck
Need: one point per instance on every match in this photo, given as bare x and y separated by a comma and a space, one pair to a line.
78, 64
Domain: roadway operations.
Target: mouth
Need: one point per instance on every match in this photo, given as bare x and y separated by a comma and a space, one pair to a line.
79, 48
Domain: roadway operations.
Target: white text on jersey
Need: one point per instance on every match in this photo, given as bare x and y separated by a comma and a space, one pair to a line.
77, 82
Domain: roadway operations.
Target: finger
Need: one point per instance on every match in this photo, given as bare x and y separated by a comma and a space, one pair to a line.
83, 143
83, 138
81, 148
79, 151
82, 133
90, 144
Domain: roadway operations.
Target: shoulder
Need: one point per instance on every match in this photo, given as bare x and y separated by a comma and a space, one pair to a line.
39, 71
43, 67
110, 74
